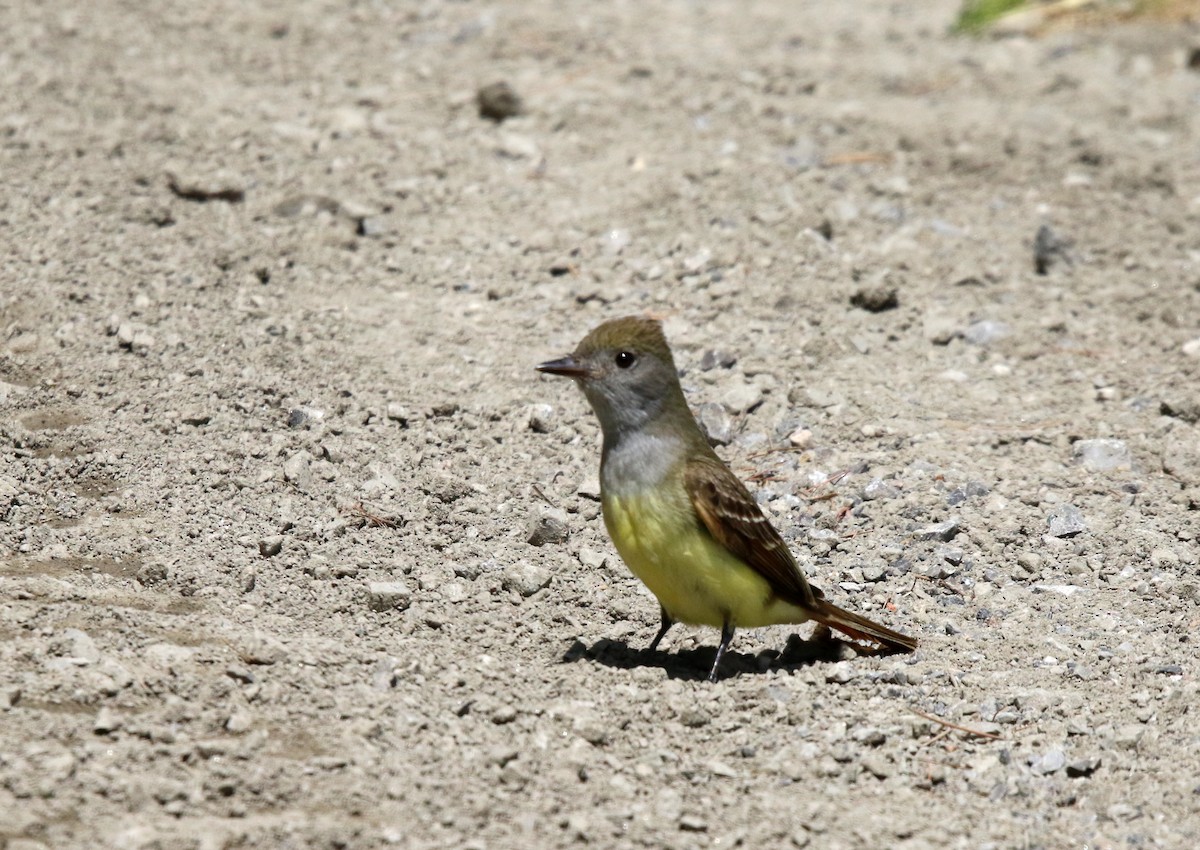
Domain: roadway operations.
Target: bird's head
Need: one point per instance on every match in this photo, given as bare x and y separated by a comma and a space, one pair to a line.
626, 370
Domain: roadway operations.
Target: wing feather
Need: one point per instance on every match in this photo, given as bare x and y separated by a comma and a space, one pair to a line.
734, 519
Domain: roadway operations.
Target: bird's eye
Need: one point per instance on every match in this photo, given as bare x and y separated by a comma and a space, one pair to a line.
626, 359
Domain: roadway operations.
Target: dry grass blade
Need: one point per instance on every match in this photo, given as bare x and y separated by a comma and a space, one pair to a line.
366, 517
954, 726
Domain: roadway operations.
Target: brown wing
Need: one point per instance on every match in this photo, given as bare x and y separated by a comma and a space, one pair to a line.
734, 519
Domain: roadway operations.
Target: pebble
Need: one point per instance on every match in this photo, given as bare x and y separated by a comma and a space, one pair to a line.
960, 494
498, 101
1191, 348
1065, 520
720, 768
1030, 562
524, 578
1084, 766
821, 397
715, 422
1048, 249
541, 418
591, 730
106, 721
940, 330
546, 524
1122, 811
297, 470
83, 648
589, 488
240, 674
262, 649
876, 299
950, 554
1102, 455
143, 341
985, 332
1082, 672
877, 765
801, 438
840, 673
871, 736
742, 398
1050, 762
220, 186
1129, 736
877, 488
168, 656
125, 332
373, 225
1181, 455
398, 413
298, 417
1163, 558
872, 573
9, 697
592, 559
388, 595
943, 531
714, 359
271, 546
1185, 408
10, 487
239, 722
693, 823
517, 146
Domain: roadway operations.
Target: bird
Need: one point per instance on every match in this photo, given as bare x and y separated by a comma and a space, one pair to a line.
680, 519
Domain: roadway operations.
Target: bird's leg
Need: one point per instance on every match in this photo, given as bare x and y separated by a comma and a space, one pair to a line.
667, 622
726, 637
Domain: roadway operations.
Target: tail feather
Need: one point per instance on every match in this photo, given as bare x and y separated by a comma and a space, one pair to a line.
860, 628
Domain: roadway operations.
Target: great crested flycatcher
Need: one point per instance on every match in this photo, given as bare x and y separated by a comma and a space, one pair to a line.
685, 525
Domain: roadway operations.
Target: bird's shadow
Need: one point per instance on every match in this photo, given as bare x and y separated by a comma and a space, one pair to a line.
695, 663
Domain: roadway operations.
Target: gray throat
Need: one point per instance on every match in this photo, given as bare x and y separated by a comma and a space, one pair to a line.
639, 460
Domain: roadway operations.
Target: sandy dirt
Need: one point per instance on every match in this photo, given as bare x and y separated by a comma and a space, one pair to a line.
273, 449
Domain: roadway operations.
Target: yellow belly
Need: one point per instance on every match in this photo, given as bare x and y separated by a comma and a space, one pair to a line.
696, 579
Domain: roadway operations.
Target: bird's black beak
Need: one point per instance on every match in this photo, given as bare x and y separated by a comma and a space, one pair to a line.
567, 366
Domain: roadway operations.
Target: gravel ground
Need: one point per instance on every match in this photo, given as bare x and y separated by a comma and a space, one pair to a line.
298, 551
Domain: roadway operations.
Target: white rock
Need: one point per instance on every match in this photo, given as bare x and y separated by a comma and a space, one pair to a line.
541, 418
388, 595
1103, 455
525, 578
83, 647
547, 525
742, 398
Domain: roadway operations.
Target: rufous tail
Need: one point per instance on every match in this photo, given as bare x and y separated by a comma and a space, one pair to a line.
860, 628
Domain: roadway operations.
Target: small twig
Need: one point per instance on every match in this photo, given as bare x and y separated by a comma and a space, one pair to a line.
968, 730
762, 475
538, 492
367, 518
775, 450
832, 480
945, 733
